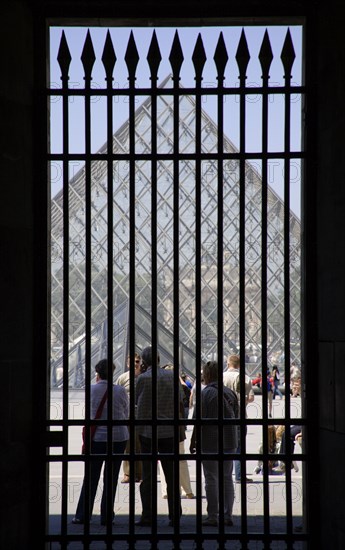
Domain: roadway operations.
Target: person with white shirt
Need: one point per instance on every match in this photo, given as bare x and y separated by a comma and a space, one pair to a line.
231, 379
99, 443
124, 380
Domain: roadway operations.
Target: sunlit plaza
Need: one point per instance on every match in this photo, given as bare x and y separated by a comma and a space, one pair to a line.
254, 491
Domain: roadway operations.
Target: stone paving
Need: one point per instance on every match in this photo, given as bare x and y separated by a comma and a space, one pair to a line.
277, 499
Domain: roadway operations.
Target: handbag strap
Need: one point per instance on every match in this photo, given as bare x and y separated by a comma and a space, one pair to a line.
101, 405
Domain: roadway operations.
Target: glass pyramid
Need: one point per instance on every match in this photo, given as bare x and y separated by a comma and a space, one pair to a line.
165, 242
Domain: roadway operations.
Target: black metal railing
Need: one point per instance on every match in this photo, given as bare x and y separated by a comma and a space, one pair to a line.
270, 532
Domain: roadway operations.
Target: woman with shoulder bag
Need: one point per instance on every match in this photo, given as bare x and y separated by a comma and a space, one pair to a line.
99, 443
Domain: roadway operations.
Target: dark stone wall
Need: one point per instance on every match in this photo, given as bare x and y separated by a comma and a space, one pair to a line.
22, 320
16, 274
330, 252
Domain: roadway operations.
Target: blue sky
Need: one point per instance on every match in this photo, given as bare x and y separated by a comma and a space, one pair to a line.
188, 36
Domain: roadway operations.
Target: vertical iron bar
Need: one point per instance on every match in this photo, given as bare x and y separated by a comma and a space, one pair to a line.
155, 365
65, 392
110, 299
242, 274
309, 286
176, 258
131, 317
176, 58
42, 277
198, 243
220, 301
132, 236
287, 131
176, 281
287, 57
88, 282
306, 293
264, 139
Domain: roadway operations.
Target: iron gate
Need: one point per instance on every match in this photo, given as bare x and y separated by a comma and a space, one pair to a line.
170, 235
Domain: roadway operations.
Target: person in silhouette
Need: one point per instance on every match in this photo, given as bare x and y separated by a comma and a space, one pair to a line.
99, 444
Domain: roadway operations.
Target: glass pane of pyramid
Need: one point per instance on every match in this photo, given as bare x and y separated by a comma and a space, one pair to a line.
142, 246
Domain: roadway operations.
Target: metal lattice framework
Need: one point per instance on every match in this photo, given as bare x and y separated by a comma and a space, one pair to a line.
209, 231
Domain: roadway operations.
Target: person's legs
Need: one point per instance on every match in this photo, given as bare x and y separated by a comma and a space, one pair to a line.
145, 486
184, 473
281, 465
237, 462
282, 444
277, 392
118, 448
293, 432
163, 481
270, 403
166, 445
138, 463
229, 492
210, 468
238, 451
184, 477
97, 447
259, 467
186, 414
125, 465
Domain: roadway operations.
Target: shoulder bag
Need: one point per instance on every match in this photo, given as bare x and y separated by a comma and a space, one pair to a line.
93, 426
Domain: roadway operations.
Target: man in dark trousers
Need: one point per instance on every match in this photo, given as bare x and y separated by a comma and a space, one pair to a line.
165, 433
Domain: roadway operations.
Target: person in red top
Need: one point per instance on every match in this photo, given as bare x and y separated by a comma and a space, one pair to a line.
257, 381
270, 386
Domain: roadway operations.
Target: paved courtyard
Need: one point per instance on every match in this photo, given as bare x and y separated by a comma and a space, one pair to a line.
277, 493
